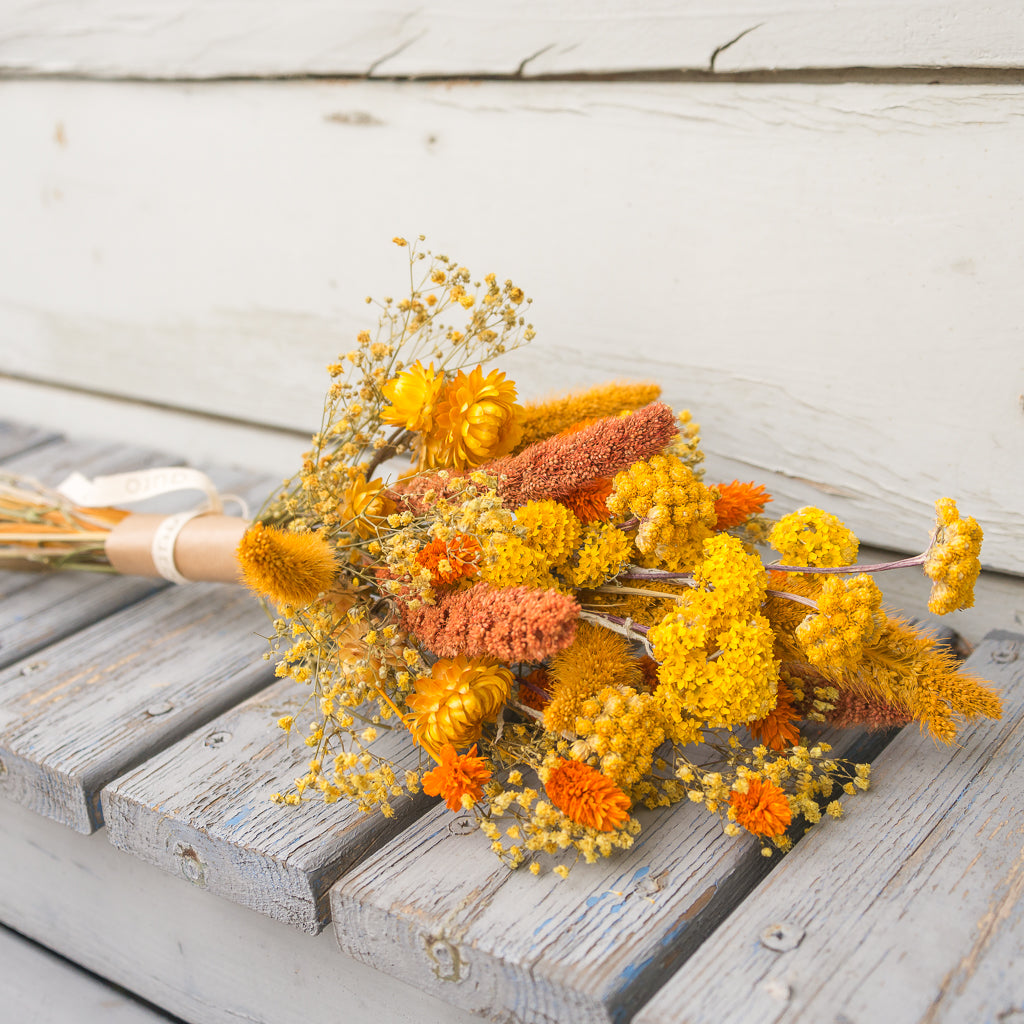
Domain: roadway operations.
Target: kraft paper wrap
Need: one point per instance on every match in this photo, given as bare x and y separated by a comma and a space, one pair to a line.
205, 548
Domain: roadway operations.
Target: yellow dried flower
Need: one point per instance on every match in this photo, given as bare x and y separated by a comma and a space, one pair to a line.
477, 420
849, 619
452, 703
550, 528
603, 553
810, 536
413, 395
288, 568
952, 561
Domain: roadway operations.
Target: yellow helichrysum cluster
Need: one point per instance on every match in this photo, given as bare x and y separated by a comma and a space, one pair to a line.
676, 512
849, 619
810, 536
546, 538
623, 728
952, 561
603, 553
716, 648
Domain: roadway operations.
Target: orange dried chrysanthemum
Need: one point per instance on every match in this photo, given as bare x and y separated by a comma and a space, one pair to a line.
737, 502
450, 561
457, 776
761, 808
586, 796
778, 729
477, 420
452, 703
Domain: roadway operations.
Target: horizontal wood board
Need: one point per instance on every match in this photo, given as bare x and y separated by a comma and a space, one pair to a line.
38, 987
437, 909
169, 38
101, 701
16, 438
202, 809
204, 959
910, 910
826, 275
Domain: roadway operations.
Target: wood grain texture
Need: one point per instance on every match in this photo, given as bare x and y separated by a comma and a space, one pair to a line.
37, 987
202, 809
198, 957
437, 909
92, 706
169, 38
806, 267
18, 437
912, 910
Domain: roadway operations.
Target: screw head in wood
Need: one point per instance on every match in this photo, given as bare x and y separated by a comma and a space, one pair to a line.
1005, 652
190, 864
218, 738
159, 709
461, 826
782, 937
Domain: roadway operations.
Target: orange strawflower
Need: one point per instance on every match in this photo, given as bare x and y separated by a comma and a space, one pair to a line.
586, 796
453, 702
457, 776
450, 561
477, 419
761, 808
737, 502
778, 729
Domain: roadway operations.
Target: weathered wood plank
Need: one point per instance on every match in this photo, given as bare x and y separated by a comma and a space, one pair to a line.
436, 908
227, 38
201, 809
18, 437
101, 701
910, 911
784, 281
37, 987
204, 959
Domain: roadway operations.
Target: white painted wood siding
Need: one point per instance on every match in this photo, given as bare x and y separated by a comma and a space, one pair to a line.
827, 275
219, 38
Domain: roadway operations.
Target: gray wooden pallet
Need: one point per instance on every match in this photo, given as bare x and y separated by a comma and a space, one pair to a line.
910, 910
201, 808
436, 908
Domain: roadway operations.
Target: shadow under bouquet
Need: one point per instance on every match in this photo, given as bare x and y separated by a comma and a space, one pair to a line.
565, 618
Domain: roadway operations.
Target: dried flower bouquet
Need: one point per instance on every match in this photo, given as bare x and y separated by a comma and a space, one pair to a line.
566, 619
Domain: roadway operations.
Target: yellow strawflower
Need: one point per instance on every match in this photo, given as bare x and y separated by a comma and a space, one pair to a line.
413, 395
477, 420
952, 561
453, 702
810, 536
289, 568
